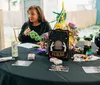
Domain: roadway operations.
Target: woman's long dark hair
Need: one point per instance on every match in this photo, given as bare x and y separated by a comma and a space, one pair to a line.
41, 17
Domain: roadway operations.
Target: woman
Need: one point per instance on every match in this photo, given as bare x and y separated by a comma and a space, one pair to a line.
36, 22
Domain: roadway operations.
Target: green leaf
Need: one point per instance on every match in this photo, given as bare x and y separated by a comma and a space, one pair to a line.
91, 35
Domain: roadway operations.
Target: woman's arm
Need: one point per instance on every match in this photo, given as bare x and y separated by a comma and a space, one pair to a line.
21, 36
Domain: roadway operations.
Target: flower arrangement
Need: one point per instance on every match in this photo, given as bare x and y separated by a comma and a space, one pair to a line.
61, 24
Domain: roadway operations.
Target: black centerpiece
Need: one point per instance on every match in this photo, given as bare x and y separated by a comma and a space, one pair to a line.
97, 42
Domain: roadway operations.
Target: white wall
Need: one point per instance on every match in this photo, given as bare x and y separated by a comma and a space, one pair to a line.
3, 4
82, 19
1, 30
49, 6
12, 18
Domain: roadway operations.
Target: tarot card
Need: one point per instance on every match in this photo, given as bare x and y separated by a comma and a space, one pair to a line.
59, 68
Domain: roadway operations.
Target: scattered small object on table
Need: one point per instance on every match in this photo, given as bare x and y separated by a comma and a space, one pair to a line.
56, 60
31, 56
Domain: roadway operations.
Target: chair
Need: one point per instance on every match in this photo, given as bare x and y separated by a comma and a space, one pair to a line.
16, 32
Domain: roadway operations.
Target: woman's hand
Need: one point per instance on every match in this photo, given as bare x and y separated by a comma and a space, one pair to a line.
41, 44
27, 31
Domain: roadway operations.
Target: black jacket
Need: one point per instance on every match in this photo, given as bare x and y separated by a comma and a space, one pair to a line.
40, 29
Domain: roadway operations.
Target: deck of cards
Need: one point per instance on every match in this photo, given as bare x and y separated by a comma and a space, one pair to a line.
56, 61
31, 56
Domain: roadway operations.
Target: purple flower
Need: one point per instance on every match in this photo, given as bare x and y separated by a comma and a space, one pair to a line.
72, 26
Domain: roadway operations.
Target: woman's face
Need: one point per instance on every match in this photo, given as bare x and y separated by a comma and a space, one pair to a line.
33, 16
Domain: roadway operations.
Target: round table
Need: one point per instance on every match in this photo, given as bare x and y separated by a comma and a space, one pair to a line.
38, 72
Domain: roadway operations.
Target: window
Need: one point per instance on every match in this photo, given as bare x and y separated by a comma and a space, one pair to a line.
73, 5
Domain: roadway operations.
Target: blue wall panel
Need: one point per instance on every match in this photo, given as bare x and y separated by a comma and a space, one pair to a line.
98, 11
29, 3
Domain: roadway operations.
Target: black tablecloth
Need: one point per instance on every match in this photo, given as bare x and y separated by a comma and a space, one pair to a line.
38, 72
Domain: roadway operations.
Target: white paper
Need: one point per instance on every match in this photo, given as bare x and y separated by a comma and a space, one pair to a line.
91, 69
94, 58
28, 45
22, 63
6, 59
